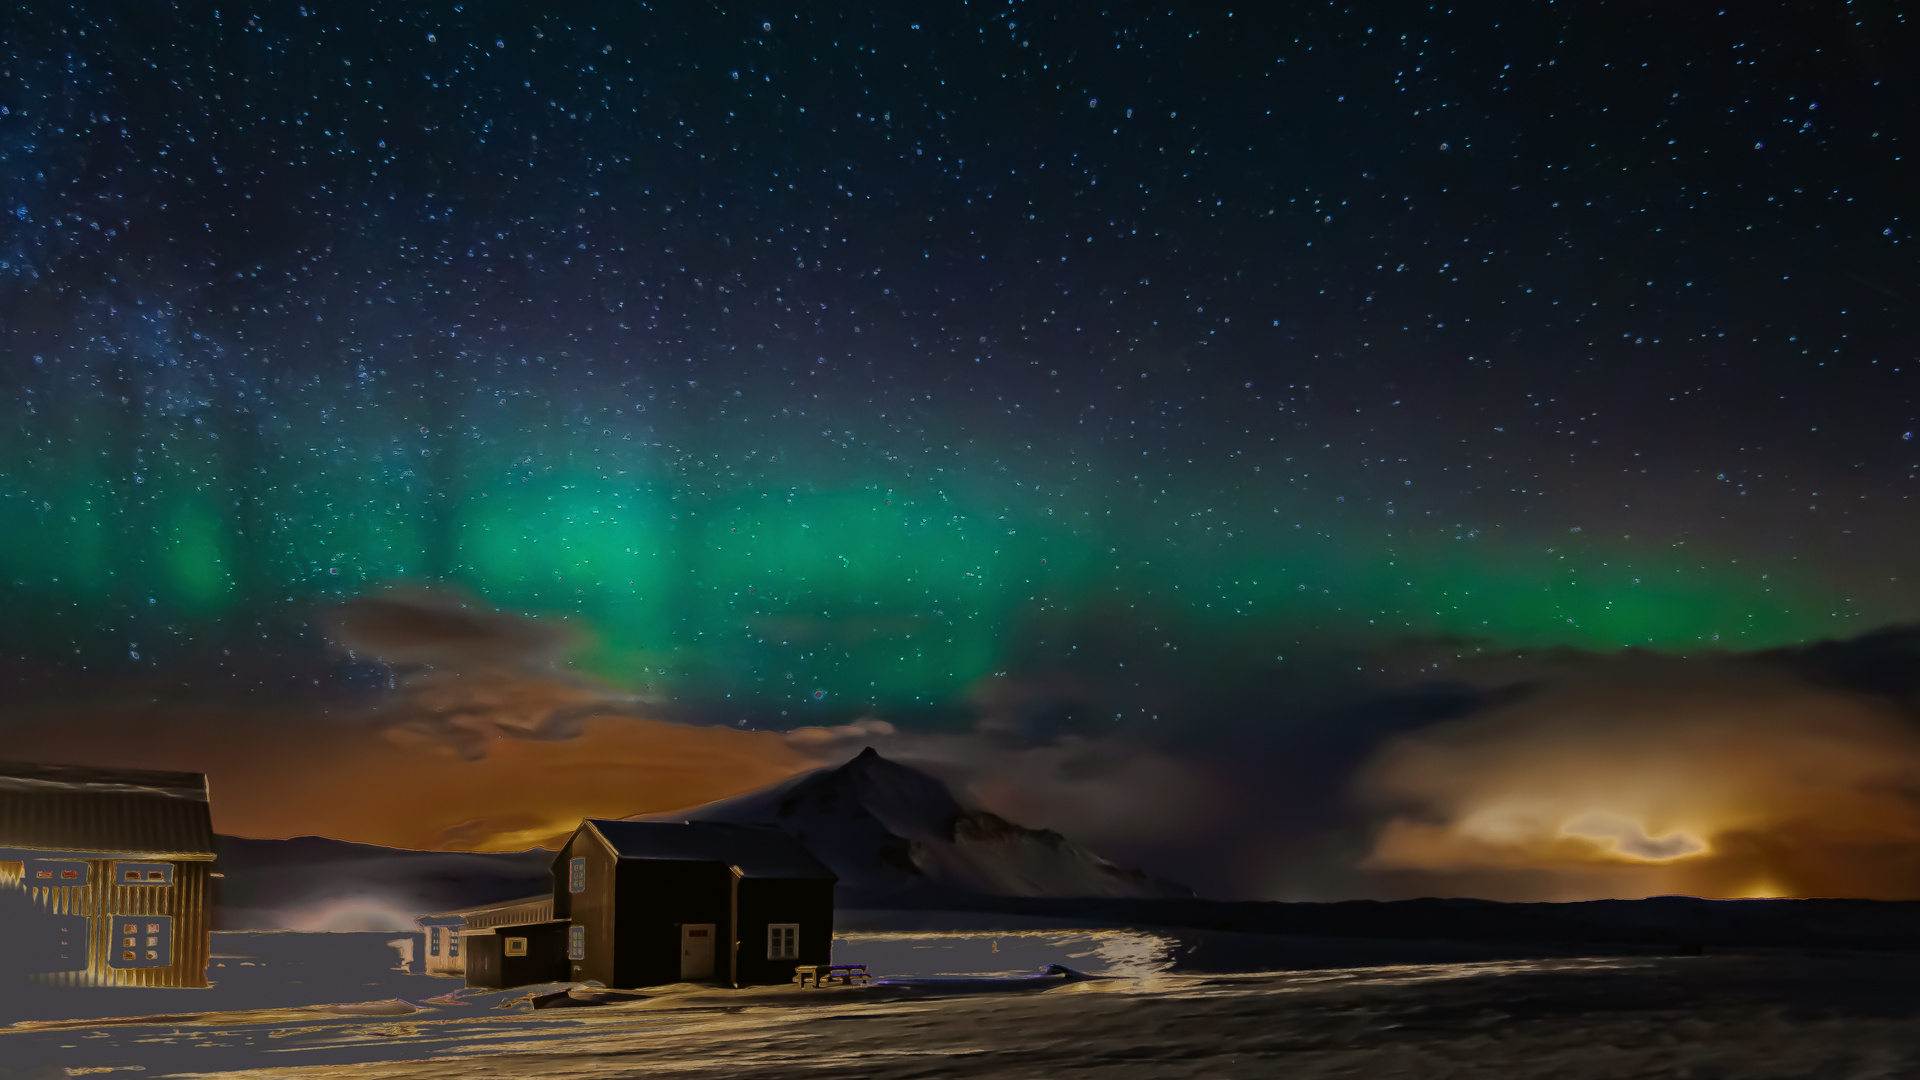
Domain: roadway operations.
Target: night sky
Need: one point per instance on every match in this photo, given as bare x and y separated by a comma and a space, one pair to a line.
1189, 371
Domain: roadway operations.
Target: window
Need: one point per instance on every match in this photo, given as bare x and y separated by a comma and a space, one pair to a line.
143, 873
576, 943
434, 935
783, 941
516, 946
453, 944
55, 872
577, 875
146, 941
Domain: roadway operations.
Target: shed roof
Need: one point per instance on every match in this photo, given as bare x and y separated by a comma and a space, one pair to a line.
81, 808
758, 852
528, 909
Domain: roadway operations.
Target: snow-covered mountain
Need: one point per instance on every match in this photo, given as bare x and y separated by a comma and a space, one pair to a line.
896, 835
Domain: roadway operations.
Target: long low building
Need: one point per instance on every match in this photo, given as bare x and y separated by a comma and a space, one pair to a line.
512, 943
645, 903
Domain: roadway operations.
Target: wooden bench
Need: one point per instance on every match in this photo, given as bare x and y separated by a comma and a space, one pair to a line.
826, 974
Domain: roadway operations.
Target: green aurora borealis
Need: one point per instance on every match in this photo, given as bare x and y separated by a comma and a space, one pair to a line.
440, 421
792, 566
837, 361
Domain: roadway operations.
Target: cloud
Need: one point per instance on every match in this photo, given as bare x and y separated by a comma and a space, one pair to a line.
1724, 776
1438, 769
464, 674
279, 774
486, 740
417, 627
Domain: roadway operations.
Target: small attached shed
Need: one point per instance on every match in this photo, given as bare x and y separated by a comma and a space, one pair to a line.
651, 902
107, 874
495, 946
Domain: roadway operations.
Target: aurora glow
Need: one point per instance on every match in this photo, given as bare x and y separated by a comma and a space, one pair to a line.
784, 564
1222, 393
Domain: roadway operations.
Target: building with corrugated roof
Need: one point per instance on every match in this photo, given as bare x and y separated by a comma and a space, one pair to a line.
112, 875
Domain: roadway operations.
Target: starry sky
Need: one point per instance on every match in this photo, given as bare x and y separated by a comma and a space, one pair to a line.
1168, 361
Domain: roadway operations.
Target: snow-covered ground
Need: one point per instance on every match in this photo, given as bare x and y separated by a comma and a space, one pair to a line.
1772, 1015
317, 995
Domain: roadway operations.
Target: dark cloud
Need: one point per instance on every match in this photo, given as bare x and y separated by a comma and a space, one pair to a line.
464, 674
441, 628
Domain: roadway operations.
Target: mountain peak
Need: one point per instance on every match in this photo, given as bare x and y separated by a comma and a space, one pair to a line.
890, 830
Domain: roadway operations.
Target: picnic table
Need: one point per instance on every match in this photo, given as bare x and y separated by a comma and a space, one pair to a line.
825, 974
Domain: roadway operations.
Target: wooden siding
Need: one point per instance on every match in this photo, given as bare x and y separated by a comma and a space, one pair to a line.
481, 951
489, 967
632, 911
592, 909
440, 957
657, 896
764, 901
102, 899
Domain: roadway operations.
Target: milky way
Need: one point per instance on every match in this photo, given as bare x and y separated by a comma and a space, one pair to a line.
827, 363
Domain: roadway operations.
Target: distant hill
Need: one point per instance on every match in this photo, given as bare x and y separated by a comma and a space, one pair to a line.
900, 841
896, 835
313, 883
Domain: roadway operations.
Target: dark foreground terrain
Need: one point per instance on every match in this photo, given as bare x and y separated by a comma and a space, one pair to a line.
1779, 1015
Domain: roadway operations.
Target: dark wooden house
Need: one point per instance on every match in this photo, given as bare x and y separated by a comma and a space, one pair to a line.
106, 875
649, 902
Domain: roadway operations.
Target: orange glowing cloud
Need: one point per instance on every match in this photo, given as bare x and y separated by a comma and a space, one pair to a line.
1716, 781
271, 777
488, 740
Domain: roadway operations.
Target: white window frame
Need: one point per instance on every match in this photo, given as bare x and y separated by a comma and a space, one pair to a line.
783, 941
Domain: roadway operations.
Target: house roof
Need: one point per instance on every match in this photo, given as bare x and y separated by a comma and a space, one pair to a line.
528, 909
758, 852
80, 808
